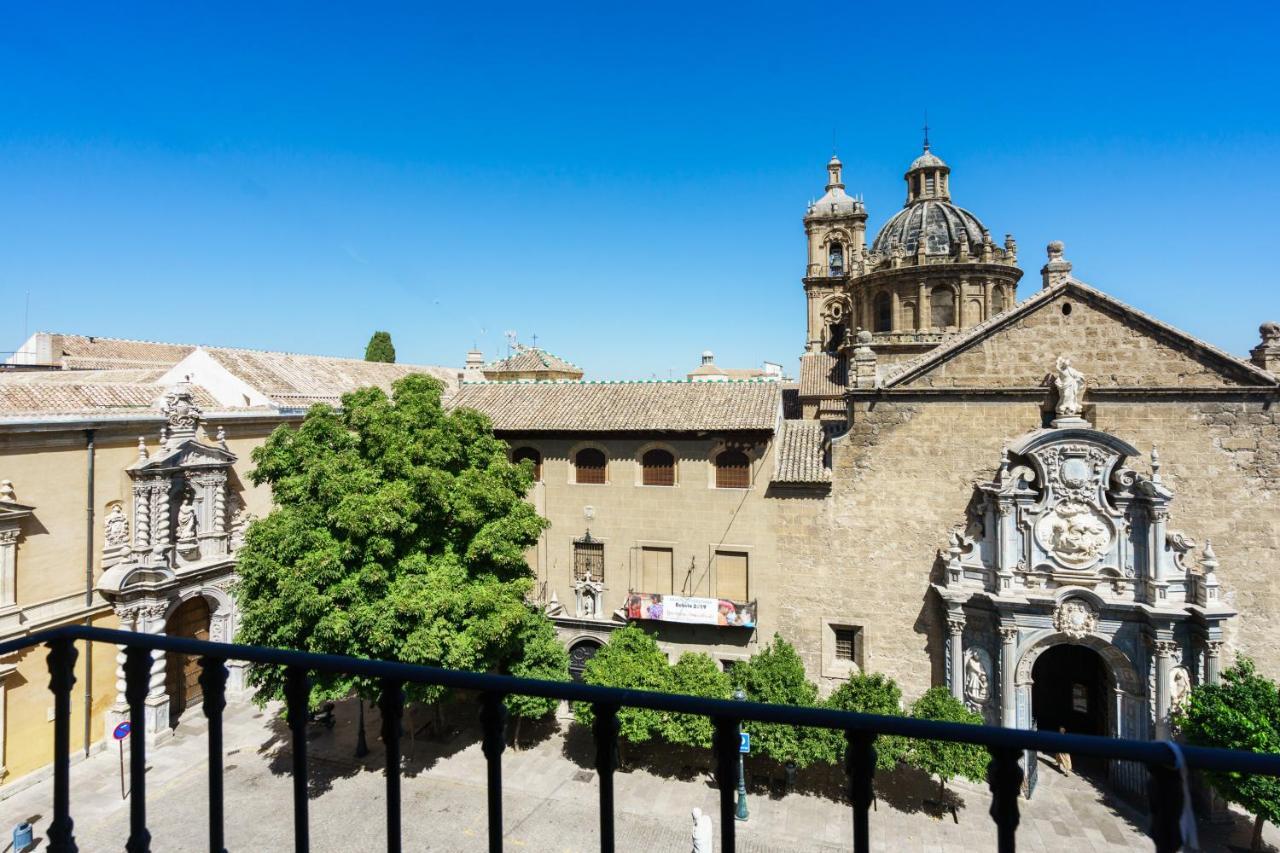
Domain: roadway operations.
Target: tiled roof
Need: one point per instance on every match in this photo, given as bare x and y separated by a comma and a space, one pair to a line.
823, 375
908, 369
115, 392
657, 406
83, 352
801, 446
531, 360
291, 380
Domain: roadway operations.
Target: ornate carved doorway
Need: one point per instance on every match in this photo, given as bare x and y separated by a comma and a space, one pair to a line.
579, 653
1069, 690
182, 672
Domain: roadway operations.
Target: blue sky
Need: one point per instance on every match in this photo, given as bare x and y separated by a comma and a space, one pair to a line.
624, 181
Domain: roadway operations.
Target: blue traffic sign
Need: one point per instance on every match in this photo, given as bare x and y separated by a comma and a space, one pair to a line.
744, 742
121, 731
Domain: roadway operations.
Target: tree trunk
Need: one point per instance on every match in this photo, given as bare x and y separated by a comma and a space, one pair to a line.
1258, 823
362, 746
515, 735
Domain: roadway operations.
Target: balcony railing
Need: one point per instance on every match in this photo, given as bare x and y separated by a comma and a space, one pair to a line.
1007, 746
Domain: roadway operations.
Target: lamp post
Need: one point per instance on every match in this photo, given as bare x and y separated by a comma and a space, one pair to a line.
741, 814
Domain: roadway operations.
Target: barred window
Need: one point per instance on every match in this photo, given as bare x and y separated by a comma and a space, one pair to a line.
848, 644
588, 560
733, 470
659, 468
533, 456
590, 466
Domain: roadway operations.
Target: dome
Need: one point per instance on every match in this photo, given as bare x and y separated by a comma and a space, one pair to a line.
836, 202
941, 222
927, 160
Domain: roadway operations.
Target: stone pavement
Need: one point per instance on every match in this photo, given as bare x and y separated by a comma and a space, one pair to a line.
550, 800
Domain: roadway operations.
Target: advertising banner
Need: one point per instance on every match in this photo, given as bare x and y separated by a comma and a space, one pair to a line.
690, 611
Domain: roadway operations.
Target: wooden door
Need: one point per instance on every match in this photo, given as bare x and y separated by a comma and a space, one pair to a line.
182, 672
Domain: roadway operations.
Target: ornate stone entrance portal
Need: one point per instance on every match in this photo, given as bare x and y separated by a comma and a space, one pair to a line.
1068, 600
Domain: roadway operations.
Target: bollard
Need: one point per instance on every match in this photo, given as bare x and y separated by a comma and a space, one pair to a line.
23, 835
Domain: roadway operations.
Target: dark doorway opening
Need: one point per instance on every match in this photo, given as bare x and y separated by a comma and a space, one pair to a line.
1070, 689
182, 672
579, 653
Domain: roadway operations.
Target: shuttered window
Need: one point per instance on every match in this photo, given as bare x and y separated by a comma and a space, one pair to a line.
655, 570
533, 456
659, 468
731, 576
588, 561
848, 644
589, 466
733, 470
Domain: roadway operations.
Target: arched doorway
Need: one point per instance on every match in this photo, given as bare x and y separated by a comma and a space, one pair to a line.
1071, 686
579, 653
182, 672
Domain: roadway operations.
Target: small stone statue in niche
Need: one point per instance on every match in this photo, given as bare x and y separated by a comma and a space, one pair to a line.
186, 524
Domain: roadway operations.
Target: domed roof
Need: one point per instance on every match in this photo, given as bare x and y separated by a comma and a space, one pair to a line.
927, 160
941, 222
836, 202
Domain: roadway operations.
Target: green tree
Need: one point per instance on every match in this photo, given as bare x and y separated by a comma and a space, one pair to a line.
630, 659
543, 656
1243, 712
695, 674
775, 675
380, 348
398, 533
870, 694
944, 759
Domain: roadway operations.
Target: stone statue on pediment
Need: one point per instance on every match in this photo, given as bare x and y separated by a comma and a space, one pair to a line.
1070, 385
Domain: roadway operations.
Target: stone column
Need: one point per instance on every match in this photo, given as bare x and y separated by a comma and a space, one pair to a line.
895, 323
8, 568
922, 307
986, 299
1008, 664
7, 668
1213, 661
955, 651
162, 510
1166, 653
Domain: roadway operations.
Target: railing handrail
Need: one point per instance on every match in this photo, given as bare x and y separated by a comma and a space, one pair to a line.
1157, 753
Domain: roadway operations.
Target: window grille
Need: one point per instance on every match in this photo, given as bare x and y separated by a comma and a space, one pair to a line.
659, 468
590, 466
848, 642
733, 470
588, 560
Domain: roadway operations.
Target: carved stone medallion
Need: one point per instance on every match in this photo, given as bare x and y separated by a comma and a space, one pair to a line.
1076, 618
1075, 534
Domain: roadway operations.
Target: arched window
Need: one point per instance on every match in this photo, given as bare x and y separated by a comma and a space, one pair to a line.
589, 466
533, 456
997, 300
659, 468
733, 470
942, 308
884, 312
835, 259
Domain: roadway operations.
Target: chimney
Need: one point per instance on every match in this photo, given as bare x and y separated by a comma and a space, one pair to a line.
474, 370
1267, 354
1058, 269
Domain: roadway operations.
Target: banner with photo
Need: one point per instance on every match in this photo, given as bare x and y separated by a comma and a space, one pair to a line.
690, 611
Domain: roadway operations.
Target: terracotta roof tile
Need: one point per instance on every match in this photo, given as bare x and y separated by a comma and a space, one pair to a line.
801, 454
823, 375
673, 406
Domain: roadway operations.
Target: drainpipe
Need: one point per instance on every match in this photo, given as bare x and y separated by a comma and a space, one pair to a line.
88, 587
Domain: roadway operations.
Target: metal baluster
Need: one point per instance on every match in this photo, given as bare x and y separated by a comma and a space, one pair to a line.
137, 682
297, 694
1165, 792
213, 687
726, 747
605, 729
391, 703
860, 761
493, 717
62, 677
1004, 777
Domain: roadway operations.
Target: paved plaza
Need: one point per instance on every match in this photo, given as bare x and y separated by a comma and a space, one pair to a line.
550, 799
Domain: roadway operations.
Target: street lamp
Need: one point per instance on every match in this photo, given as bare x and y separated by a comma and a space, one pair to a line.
741, 814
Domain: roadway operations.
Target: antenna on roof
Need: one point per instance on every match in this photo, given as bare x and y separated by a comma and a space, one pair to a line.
926, 129
512, 341
534, 338
833, 141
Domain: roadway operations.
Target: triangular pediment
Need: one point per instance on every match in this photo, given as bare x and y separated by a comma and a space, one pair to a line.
186, 454
1113, 344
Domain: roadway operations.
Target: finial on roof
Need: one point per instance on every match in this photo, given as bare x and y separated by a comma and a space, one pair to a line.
142, 448
7, 494
926, 130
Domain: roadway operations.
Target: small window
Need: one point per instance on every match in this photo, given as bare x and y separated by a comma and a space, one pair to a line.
656, 570
731, 576
884, 312
659, 468
589, 466
733, 470
588, 560
848, 644
533, 456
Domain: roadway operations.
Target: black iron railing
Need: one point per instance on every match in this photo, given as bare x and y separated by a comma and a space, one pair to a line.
1006, 746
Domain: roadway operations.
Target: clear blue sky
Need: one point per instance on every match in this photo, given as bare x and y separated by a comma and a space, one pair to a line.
624, 180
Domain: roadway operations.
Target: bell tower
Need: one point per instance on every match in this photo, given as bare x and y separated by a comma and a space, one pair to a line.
836, 228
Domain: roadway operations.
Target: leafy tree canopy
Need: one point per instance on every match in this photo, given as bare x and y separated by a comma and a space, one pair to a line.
630, 659
380, 348
775, 675
870, 694
695, 674
398, 533
1243, 712
941, 758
